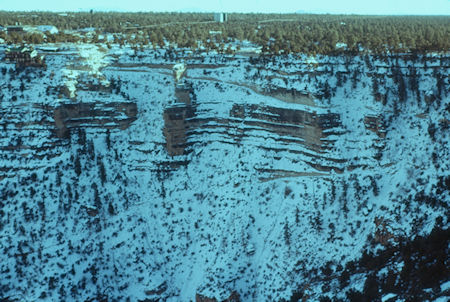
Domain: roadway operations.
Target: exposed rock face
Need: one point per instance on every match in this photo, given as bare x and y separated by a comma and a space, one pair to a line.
157, 292
176, 125
308, 126
110, 115
176, 121
376, 124
290, 96
250, 202
234, 297
201, 298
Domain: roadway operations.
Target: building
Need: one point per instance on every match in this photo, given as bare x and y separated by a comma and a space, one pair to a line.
47, 29
49, 48
220, 17
15, 29
215, 32
24, 56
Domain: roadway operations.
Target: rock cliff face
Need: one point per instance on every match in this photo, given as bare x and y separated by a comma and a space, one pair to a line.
265, 180
311, 128
83, 115
306, 128
176, 127
376, 124
177, 120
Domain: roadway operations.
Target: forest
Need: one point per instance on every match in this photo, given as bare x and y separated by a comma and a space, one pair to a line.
275, 33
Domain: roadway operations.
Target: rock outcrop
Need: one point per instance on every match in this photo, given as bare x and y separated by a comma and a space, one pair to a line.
376, 124
234, 297
176, 120
108, 115
305, 125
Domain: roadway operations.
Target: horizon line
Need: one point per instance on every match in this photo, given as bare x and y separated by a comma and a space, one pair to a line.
219, 11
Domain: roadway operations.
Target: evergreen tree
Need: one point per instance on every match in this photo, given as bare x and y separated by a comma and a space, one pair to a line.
287, 233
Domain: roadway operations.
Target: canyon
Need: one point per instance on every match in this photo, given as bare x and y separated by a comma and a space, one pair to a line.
253, 179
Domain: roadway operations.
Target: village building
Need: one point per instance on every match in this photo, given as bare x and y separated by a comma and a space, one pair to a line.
47, 29
220, 17
24, 57
48, 48
215, 32
15, 29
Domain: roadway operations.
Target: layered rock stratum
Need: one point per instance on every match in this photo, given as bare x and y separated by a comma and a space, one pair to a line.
260, 179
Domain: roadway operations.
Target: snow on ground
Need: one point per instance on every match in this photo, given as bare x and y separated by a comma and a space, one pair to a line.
211, 226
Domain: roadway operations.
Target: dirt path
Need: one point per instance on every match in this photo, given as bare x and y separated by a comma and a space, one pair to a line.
277, 174
164, 66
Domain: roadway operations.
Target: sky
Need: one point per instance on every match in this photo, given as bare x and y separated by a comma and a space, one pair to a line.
373, 7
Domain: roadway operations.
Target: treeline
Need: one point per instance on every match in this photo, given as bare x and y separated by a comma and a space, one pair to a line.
276, 33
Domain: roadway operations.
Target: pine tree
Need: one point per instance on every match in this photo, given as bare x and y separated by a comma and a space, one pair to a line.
101, 170
287, 234
111, 210
77, 165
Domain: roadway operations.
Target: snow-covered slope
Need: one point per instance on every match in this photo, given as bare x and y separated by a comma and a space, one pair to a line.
290, 171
